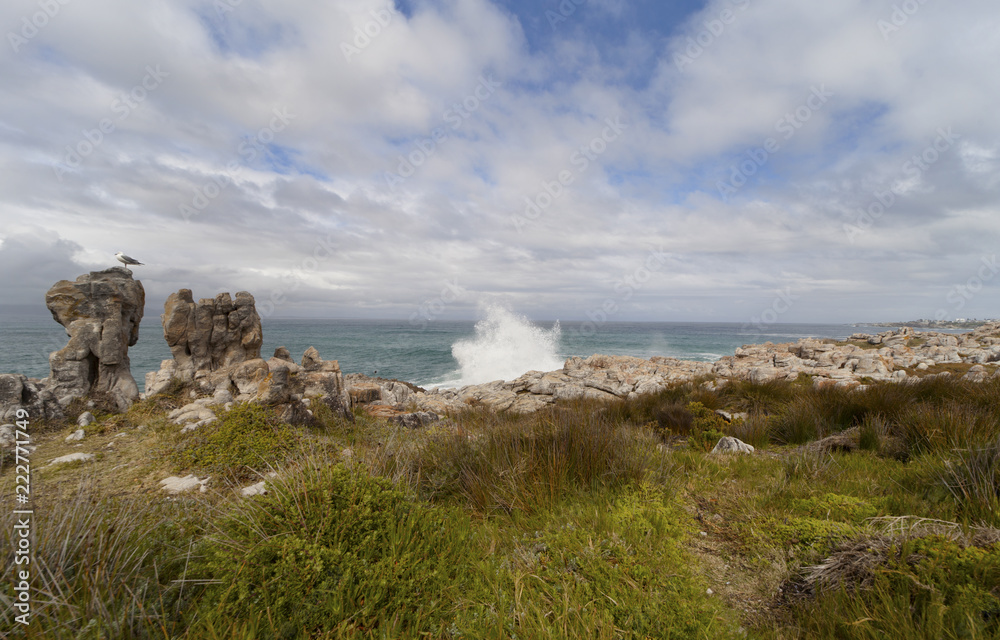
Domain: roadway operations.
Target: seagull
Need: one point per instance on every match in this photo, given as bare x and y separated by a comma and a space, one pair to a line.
124, 259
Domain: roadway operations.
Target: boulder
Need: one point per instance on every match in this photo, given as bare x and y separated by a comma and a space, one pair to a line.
20, 393
729, 444
101, 312
175, 484
72, 457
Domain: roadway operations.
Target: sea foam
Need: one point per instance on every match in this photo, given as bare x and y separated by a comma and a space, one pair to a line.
505, 346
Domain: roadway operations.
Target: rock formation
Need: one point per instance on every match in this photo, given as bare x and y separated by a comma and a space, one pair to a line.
600, 377
216, 349
101, 312
211, 334
20, 392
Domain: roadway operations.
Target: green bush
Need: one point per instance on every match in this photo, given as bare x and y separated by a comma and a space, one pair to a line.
706, 428
245, 438
335, 549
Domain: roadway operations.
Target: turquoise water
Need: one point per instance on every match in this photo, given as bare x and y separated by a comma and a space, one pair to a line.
398, 349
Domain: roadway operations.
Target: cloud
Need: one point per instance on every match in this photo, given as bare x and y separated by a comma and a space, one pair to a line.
261, 145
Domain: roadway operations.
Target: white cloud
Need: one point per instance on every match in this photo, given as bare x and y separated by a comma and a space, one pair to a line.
322, 175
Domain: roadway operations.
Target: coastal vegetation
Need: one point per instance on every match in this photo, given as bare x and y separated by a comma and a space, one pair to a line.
866, 513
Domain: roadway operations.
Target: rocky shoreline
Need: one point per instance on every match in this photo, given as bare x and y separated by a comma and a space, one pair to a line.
896, 356
215, 344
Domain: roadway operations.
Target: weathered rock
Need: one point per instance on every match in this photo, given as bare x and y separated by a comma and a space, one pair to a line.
21, 394
415, 419
72, 457
86, 418
273, 389
8, 441
729, 444
76, 436
282, 358
175, 484
258, 489
160, 380
211, 334
296, 412
101, 312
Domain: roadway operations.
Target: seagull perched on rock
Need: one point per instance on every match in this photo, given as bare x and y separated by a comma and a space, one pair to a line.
125, 260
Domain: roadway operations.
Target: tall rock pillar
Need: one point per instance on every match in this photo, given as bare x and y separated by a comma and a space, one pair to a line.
101, 312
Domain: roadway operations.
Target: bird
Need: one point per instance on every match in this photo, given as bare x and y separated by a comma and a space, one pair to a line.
125, 260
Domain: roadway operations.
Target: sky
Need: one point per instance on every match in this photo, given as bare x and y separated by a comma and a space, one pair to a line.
751, 161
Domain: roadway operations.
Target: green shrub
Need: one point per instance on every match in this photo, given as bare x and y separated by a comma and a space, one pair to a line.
335, 549
245, 438
706, 428
673, 419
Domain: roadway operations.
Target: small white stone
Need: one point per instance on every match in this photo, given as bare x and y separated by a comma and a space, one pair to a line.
709, 591
72, 457
703, 534
85, 419
258, 489
174, 484
75, 436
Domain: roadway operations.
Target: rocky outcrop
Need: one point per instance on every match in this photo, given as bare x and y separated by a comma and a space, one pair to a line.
599, 377
101, 312
212, 334
216, 348
20, 392
890, 356
887, 356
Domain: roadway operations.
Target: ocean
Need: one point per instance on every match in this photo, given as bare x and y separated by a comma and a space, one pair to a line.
502, 345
